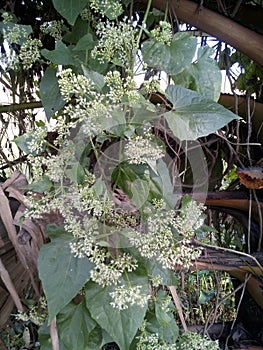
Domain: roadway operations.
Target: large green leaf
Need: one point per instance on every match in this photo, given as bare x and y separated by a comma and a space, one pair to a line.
61, 55
203, 75
50, 93
62, 274
74, 326
194, 115
161, 184
121, 325
171, 58
70, 9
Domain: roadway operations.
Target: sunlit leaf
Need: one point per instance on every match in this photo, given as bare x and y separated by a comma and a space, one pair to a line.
194, 115
203, 75
171, 58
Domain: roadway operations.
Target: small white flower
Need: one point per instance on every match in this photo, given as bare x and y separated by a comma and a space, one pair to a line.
123, 296
53, 28
141, 150
30, 52
163, 33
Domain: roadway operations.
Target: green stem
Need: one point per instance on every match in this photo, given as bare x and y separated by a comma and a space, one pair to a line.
52, 146
166, 11
144, 22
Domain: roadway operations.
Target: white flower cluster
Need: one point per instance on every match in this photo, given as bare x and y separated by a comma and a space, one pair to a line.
123, 296
57, 164
91, 107
151, 86
151, 341
194, 341
119, 88
7, 17
108, 273
14, 33
78, 85
160, 242
37, 140
30, 52
163, 33
106, 6
53, 28
156, 280
37, 314
83, 214
85, 14
188, 341
190, 219
142, 149
117, 43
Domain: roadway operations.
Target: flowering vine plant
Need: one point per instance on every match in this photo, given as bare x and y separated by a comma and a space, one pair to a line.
110, 175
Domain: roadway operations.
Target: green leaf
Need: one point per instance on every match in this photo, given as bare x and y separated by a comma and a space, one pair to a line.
50, 93
205, 296
61, 55
79, 29
41, 186
203, 76
193, 115
70, 9
168, 329
23, 141
85, 43
44, 337
155, 268
143, 111
162, 185
125, 174
121, 325
140, 192
172, 59
76, 173
62, 274
95, 77
74, 326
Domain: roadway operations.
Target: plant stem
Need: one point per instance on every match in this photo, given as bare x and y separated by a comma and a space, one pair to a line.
144, 22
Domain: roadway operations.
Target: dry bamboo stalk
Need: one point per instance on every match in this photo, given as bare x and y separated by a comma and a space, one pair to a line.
178, 305
10, 286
